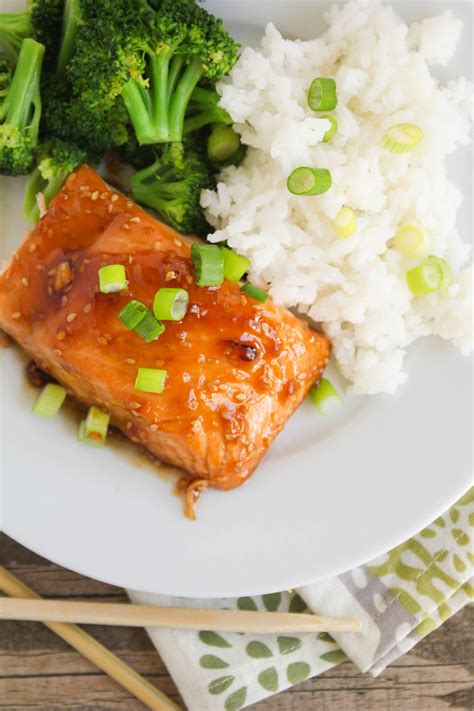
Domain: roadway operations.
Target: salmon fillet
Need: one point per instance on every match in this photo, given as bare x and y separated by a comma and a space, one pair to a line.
237, 369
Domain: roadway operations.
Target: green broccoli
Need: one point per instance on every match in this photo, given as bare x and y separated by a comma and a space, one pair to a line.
20, 111
203, 109
55, 160
81, 95
172, 186
5, 76
40, 21
183, 44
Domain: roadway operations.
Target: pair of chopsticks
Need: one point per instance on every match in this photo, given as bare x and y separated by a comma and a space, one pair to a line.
59, 616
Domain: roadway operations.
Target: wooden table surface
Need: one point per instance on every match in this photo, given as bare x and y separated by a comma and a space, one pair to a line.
39, 671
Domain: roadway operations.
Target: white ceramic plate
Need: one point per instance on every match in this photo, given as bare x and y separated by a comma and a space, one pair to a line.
330, 494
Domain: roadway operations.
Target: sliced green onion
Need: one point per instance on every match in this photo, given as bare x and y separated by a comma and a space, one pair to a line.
235, 265
321, 395
345, 223
331, 131
93, 429
309, 181
208, 262
222, 143
149, 329
170, 304
411, 240
150, 380
112, 278
322, 94
424, 279
49, 401
132, 314
445, 270
402, 138
255, 292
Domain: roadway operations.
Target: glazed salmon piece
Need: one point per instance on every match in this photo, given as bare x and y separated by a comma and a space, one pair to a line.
237, 369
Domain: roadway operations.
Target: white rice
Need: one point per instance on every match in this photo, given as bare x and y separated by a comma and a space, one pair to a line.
355, 288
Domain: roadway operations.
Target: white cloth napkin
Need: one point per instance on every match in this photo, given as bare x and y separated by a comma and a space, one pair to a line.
400, 597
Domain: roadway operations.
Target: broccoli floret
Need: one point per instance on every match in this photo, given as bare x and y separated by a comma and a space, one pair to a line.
80, 99
95, 128
20, 112
55, 160
5, 76
40, 21
203, 109
172, 186
183, 44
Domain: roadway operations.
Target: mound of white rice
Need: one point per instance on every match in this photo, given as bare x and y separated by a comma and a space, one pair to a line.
355, 288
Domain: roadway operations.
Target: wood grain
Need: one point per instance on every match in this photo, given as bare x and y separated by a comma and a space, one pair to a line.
39, 672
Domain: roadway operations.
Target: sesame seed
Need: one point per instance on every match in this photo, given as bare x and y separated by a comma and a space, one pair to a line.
154, 428
110, 208
129, 425
243, 300
52, 272
104, 195
25, 281
87, 211
49, 233
64, 300
159, 362
84, 187
71, 317
61, 335
170, 275
102, 341
87, 308
143, 436
125, 226
114, 197
177, 242
130, 259
40, 267
157, 246
50, 289
135, 405
135, 219
32, 247
240, 396
129, 203
189, 278
130, 361
16, 315
57, 352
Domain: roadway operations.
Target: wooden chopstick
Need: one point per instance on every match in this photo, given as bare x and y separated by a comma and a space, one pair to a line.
104, 613
99, 655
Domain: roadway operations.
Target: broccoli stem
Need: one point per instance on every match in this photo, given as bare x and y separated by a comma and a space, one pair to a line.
175, 69
181, 96
37, 184
159, 76
71, 23
14, 27
22, 106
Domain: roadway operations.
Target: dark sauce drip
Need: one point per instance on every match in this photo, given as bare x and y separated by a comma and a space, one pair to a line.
245, 351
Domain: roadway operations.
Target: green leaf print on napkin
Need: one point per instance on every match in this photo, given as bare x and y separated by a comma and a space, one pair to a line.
218, 686
268, 679
437, 565
209, 661
236, 700
298, 672
257, 650
286, 645
213, 639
